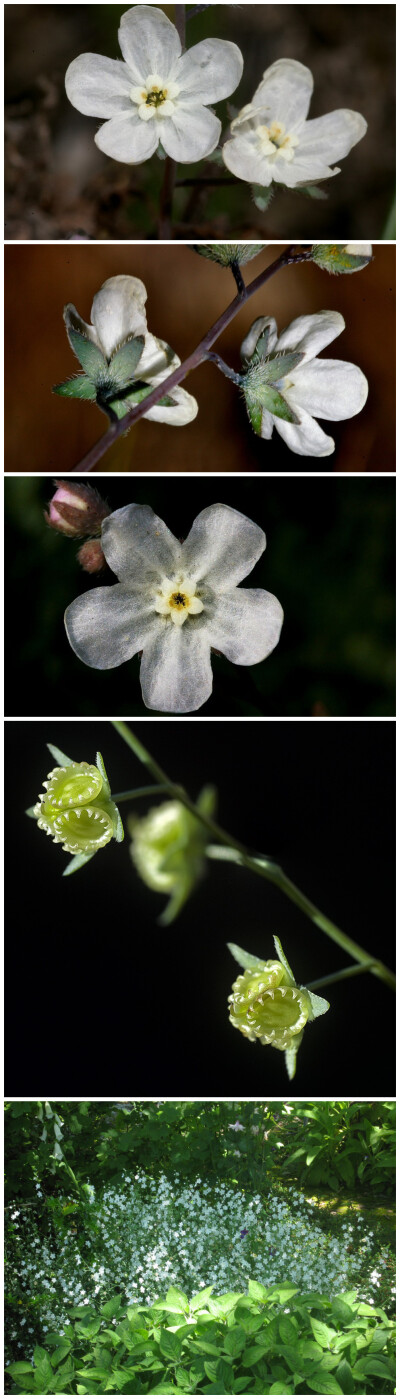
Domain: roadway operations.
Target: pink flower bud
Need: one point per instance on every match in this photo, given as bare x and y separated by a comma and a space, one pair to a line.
91, 557
76, 510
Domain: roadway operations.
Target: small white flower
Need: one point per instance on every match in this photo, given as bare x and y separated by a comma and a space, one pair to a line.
314, 388
174, 602
158, 94
118, 316
272, 139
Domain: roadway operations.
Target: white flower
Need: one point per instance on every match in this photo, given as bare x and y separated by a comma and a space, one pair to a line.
158, 94
118, 317
314, 388
272, 139
174, 602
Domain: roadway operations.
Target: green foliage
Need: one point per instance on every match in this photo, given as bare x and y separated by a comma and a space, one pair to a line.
342, 1144
269, 1341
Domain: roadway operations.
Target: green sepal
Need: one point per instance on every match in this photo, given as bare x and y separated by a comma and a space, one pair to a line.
90, 357
77, 862
245, 959
281, 364
265, 396
101, 767
59, 757
291, 1055
261, 349
124, 361
122, 406
283, 959
313, 191
333, 257
318, 1004
30, 811
119, 833
254, 412
262, 196
78, 387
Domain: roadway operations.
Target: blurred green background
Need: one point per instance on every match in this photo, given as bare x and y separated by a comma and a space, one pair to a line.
58, 184
329, 560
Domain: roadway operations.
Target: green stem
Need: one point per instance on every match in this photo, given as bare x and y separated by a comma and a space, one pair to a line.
136, 792
235, 851
340, 976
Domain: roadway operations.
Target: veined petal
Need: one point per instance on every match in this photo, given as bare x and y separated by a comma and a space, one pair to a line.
303, 170
157, 360
108, 626
245, 624
149, 42
210, 70
249, 343
306, 438
97, 86
285, 92
331, 137
127, 139
118, 310
191, 134
310, 334
222, 547
175, 672
138, 545
243, 158
183, 409
328, 388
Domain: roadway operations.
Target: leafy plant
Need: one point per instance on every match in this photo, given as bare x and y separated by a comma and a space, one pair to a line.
344, 1144
269, 1341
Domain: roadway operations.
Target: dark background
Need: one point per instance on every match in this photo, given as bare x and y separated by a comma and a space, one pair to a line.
186, 295
329, 560
58, 184
100, 1001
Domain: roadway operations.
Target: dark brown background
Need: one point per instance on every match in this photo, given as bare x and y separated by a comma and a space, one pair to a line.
186, 293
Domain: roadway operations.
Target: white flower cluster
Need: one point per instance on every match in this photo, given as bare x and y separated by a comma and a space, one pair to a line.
154, 1233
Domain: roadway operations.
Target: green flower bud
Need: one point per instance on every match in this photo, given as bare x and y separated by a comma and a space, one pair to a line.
168, 850
227, 253
342, 257
76, 809
266, 1004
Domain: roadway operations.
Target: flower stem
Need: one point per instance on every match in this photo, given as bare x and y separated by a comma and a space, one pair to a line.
231, 849
225, 368
136, 792
259, 864
198, 356
343, 975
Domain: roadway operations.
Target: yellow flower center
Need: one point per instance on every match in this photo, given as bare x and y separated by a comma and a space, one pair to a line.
177, 598
274, 140
155, 97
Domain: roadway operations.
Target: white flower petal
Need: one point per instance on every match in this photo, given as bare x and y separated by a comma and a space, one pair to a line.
156, 361
118, 310
304, 170
127, 139
307, 438
210, 70
310, 334
107, 626
328, 388
331, 137
358, 249
175, 672
267, 424
249, 343
285, 92
191, 134
97, 86
245, 624
243, 158
183, 409
222, 547
138, 545
149, 42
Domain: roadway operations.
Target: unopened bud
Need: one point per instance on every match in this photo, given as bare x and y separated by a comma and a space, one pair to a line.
228, 253
342, 257
76, 510
91, 557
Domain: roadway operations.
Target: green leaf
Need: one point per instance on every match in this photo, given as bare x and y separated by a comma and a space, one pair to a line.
78, 387
90, 357
235, 1341
279, 1388
124, 361
322, 1333
255, 415
61, 1352
345, 1378
323, 1383
177, 1298
170, 1345
19, 1367
200, 1298
287, 1331
59, 757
